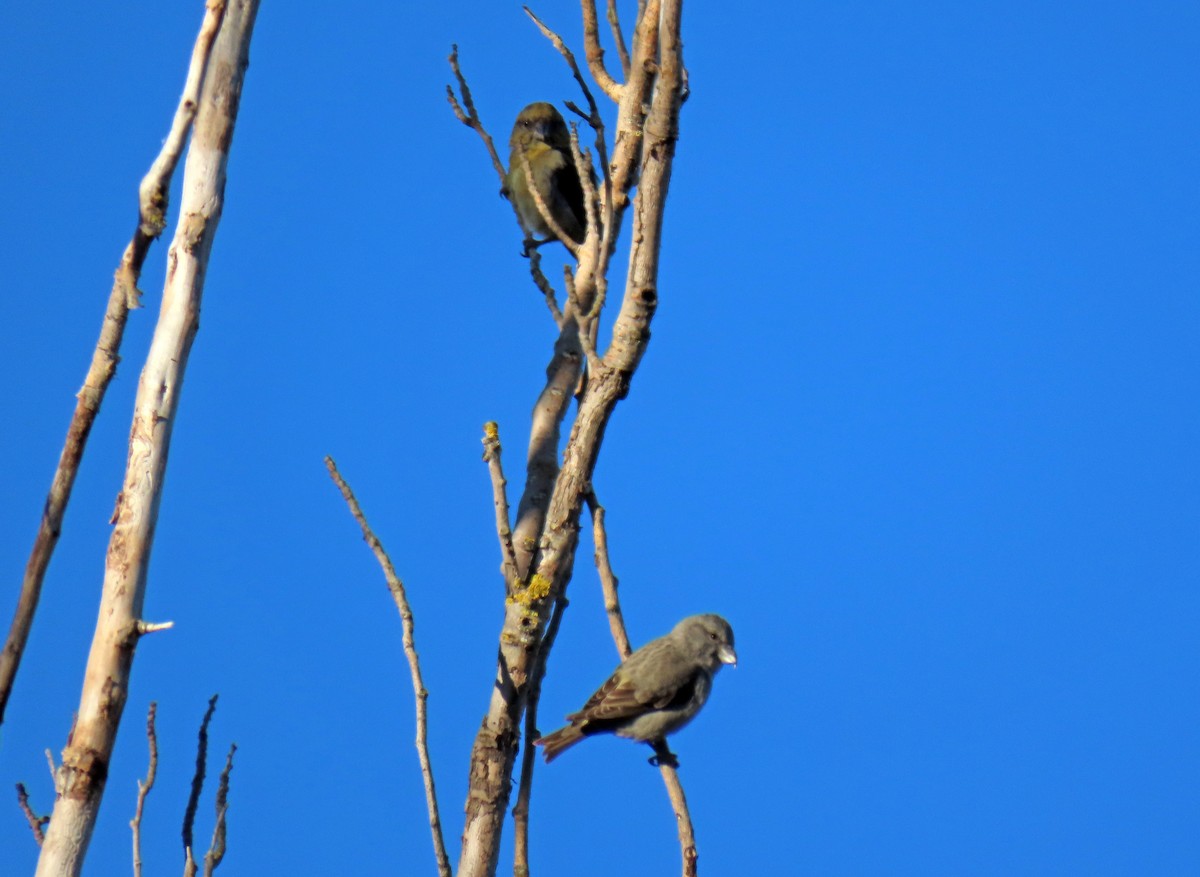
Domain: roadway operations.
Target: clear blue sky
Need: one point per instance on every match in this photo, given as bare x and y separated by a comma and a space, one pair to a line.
919, 417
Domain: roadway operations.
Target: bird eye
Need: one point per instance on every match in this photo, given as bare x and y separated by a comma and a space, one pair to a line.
712, 636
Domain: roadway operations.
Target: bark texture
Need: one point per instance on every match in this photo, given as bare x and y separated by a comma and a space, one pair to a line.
80, 779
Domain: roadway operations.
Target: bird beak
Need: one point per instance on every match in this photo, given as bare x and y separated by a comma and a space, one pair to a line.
727, 655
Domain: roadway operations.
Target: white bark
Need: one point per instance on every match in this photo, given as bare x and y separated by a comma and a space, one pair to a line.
81, 777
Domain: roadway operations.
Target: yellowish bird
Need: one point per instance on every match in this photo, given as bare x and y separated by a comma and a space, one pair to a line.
541, 135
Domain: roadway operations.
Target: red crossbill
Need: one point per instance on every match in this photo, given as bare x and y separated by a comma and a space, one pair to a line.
541, 135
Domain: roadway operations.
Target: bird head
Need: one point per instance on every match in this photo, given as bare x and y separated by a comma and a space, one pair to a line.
709, 638
540, 122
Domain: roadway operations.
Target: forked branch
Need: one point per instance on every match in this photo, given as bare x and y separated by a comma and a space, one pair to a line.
152, 209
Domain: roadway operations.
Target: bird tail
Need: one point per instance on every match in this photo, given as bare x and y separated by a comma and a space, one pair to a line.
554, 744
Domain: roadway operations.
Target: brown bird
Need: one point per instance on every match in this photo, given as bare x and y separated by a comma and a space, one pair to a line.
656, 690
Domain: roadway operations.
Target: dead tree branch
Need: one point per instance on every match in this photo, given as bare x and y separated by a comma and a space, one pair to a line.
616, 621
152, 210
84, 770
645, 144
614, 22
144, 789
529, 756
216, 849
396, 586
608, 579
491, 455
595, 54
36, 823
189, 813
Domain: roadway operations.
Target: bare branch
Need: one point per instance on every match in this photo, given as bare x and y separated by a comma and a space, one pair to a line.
189, 814
35, 822
594, 119
144, 789
396, 586
216, 849
608, 580
85, 762
616, 622
547, 529
469, 117
539, 279
595, 54
618, 36
529, 755
491, 455
145, 627
544, 208
152, 206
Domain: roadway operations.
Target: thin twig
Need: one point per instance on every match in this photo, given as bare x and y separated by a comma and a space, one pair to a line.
144, 788
539, 280
593, 116
589, 311
599, 219
544, 209
35, 822
216, 849
469, 117
491, 454
616, 622
618, 36
410, 651
529, 755
595, 54
189, 814
608, 579
152, 206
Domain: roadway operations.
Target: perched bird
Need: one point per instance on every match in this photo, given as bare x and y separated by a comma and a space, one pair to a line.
541, 135
656, 691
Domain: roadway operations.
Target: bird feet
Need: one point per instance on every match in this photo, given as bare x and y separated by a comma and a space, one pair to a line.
663, 757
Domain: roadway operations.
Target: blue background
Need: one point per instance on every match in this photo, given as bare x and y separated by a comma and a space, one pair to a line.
919, 417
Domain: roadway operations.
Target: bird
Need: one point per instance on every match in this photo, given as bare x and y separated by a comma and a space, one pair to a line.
541, 135
656, 691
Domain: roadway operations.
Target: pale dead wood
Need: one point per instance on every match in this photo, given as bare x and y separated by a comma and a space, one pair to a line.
614, 22
616, 622
491, 455
595, 54
469, 116
608, 579
36, 823
81, 777
400, 596
216, 848
552, 542
544, 210
529, 755
144, 787
152, 209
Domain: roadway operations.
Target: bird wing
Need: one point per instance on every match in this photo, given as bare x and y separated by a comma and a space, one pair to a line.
566, 184
631, 691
